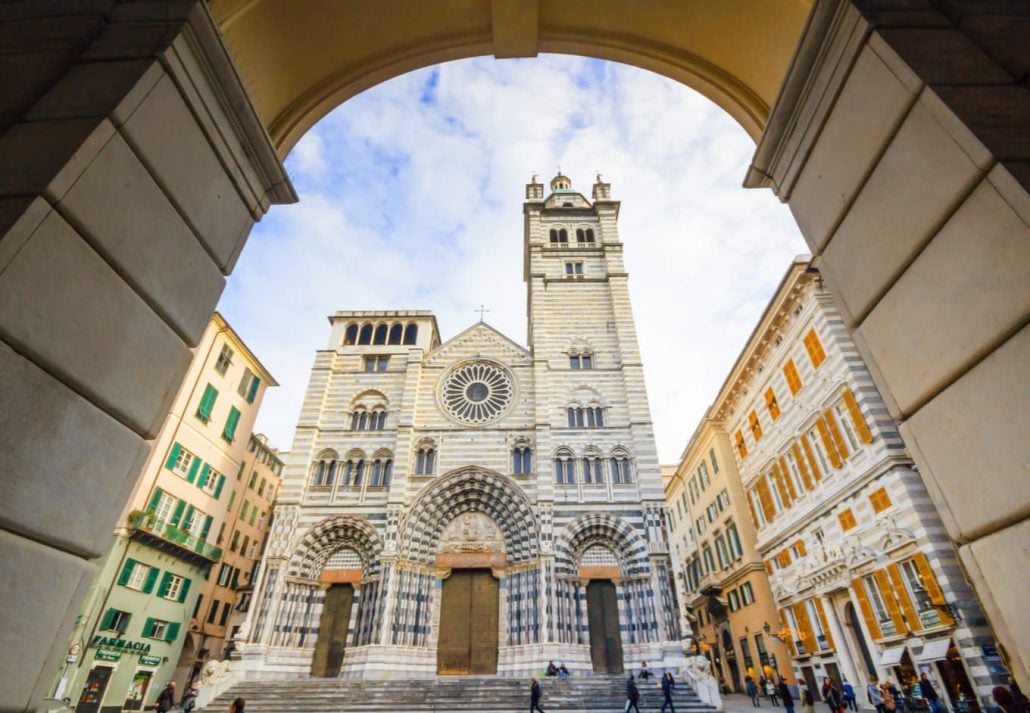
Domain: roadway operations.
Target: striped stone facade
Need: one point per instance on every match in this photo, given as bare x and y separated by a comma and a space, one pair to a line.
867, 582
402, 436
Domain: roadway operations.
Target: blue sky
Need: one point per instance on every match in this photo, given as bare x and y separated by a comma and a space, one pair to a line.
411, 198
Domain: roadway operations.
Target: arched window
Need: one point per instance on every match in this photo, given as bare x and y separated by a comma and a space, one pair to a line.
411, 334
583, 360
324, 470
522, 459
351, 335
357, 419
554, 235
351, 471
622, 471
362, 421
590, 417
366, 334
380, 337
377, 422
564, 468
425, 460
563, 236
590, 235
593, 469
357, 473
396, 331
581, 236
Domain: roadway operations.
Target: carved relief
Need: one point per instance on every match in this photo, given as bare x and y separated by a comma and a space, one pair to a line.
471, 532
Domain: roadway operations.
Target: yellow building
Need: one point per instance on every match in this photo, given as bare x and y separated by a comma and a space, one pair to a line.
721, 583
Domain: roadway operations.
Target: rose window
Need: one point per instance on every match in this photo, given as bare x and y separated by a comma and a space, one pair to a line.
477, 392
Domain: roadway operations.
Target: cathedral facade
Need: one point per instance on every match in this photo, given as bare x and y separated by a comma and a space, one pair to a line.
475, 506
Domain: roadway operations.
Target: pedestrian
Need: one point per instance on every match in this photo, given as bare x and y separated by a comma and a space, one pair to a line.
667, 685
644, 673
563, 672
189, 698
930, 694
784, 692
166, 699
237, 706
807, 704
752, 692
534, 696
1004, 698
849, 697
890, 701
632, 695
552, 670
832, 696
875, 696
772, 692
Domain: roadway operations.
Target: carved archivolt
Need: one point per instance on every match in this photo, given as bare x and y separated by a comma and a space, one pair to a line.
330, 535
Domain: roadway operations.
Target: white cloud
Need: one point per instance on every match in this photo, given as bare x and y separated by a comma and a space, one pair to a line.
411, 198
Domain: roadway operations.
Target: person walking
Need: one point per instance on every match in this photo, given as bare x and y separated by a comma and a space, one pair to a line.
784, 693
667, 685
875, 696
632, 695
534, 696
237, 706
752, 692
930, 694
832, 696
849, 697
807, 704
166, 699
773, 693
890, 701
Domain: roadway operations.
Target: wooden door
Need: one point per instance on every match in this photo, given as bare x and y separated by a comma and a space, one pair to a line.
468, 624
603, 617
332, 631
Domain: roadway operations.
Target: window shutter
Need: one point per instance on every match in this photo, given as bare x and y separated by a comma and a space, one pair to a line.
203, 476
866, 607
838, 437
751, 507
790, 372
823, 622
801, 616
126, 574
186, 517
810, 456
814, 348
173, 456
218, 488
184, 590
177, 513
932, 587
108, 619
889, 600
207, 527
229, 433
254, 384
864, 434
172, 632
765, 498
790, 634
778, 478
788, 479
914, 624
235, 582
207, 403
148, 585
148, 626
166, 582
831, 451
155, 500
802, 468
194, 467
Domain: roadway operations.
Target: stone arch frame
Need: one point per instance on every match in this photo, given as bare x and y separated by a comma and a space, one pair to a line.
465, 490
596, 399
317, 545
626, 541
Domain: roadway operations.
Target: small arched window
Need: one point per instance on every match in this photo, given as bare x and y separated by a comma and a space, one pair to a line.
377, 421
564, 468
324, 470
366, 334
563, 236
351, 335
593, 469
590, 235
622, 471
522, 459
425, 460
396, 331
589, 417
411, 334
554, 235
380, 337
581, 361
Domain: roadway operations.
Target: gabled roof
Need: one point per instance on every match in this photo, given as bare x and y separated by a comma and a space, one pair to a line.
491, 334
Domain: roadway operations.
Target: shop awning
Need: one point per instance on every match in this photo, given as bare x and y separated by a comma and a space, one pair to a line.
892, 657
934, 651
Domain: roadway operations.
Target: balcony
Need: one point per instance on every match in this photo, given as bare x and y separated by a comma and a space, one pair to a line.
181, 543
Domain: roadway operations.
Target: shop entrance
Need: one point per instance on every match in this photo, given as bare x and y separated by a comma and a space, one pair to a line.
810, 683
332, 631
956, 682
603, 618
468, 624
93, 692
138, 690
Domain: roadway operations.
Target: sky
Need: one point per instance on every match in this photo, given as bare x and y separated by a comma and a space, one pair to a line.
411, 198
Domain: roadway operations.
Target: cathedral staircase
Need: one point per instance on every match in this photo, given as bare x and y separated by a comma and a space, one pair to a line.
593, 694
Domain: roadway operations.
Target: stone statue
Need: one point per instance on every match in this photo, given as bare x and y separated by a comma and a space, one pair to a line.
214, 671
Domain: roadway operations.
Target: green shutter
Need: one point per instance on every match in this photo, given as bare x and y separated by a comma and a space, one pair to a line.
218, 488
148, 585
254, 384
173, 456
108, 619
187, 516
177, 513
166, 583
203, 475
207, 527
172, 631
194, 467
155, 500
126, 574
184, 590
207, 403
229, 433
148, 626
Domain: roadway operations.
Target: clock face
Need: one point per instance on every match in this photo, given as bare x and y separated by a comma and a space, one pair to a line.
477, 392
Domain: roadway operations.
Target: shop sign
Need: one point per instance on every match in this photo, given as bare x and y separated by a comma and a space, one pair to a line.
110, 642
102, 655
149, 661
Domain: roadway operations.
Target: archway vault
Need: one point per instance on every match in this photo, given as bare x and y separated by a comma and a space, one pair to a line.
735, 52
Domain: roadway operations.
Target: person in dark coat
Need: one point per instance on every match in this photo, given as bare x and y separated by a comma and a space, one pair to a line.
832, 696
632, 695
930, 693
552, 670
752, 692
667, 685
166, 699
237, 706
534, 696
784, 690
